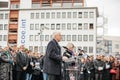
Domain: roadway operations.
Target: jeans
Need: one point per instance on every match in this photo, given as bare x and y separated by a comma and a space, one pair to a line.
45, 76
28, 76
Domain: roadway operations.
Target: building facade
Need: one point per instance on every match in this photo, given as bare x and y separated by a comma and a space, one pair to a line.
32, 22
108, 45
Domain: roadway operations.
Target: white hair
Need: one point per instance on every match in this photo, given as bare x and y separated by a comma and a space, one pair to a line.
70, 45
54, 34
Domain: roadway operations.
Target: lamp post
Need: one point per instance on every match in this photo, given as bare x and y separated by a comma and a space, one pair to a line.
40, 34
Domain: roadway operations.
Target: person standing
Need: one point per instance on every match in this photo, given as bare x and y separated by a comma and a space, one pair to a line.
53, 58
21, 63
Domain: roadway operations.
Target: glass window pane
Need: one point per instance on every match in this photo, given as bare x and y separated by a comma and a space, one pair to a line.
36, 49
5, 38
63, 26
46, 37
58, 15
90, 37
42, 15
73, 37
68, 37
53, 15
79, 14
37, 15
85, 14
32, 15
80, 26
91, 14
74, 14
85, 26
41, 37
31, 38
47, 15
79, 37
63, 37
74, 26
36, 37
69, 15
31, 48
85, 49
1, 16
91, 26
63, 14
69, 26
58, 27
85, 37
90, 49
36, 26
6, 16
1, 26
5, 26
52, 26
31, 26
0, 37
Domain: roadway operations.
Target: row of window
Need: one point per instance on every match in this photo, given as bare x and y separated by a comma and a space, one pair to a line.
64, 37
3, 26
58, 15
63, 26
3, 37
3, 15
87, 49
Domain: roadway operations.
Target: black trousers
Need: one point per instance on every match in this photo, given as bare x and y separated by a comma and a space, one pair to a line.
54, 77
21, 75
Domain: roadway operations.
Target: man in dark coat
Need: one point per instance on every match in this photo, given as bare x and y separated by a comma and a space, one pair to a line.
21, 64
53, 58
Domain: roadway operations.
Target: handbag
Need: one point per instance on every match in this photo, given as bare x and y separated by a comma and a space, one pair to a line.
113, 71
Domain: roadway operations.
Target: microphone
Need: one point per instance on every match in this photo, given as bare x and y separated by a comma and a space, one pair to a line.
65, 47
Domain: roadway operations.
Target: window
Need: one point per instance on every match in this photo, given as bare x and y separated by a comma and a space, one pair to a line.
74, 14
91, 14
32, 15
63, 14
79, 14
63, 37
85, 26
90, 37
80, 26
37, 15
63, 26
68, 37
5, 38
52, 26
58, 27
35, 48
6, 16
85, 49
36, 37
1, 16
116, 46
31, 48
36, 26
47, 26
85, 37
31, 37
58, 14
85, 14
0, 37
41, 37
74, 26
53, 15
46, 37
5, 26
90, 49
91, 26
69, 26
42, 15
1, 26
42, 27
73, 37
79, 37
69, 15
31, 26
47, 15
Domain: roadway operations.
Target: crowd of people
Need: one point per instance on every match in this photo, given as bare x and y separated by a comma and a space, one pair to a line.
23, 64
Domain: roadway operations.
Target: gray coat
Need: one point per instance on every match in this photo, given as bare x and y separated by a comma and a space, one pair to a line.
5, 65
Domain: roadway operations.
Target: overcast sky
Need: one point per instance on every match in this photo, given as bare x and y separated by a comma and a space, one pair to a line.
110, 9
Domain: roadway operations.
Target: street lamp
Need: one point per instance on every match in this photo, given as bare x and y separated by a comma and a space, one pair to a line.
40, 33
